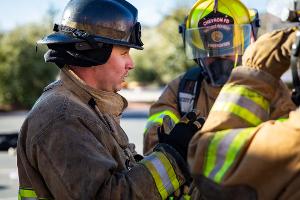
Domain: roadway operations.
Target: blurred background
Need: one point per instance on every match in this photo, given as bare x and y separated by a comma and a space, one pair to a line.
23, 73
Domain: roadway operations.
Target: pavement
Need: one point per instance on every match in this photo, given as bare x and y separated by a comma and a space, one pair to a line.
140, 94
8, 176
139, 101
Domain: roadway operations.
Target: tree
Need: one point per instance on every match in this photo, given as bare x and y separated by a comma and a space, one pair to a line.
23, 73
163, 57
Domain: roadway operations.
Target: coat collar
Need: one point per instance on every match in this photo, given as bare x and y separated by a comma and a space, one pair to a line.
108, 102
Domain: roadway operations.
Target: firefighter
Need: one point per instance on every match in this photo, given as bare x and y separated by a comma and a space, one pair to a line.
235, 155
71, 145
215, 35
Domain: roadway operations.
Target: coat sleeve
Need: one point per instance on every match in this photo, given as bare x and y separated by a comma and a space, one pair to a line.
250, 97
238, 146
165, 105
253, 157
76, 164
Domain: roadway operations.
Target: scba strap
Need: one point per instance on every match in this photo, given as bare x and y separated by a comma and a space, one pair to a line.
189, 90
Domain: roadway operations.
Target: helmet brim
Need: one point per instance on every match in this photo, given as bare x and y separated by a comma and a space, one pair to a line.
58, 38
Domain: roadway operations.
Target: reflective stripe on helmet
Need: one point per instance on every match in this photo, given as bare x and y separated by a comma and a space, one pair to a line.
162, 172
223, 150
157, 118
244, 103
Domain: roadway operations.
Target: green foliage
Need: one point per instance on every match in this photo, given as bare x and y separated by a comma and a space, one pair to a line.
163, 57
23, 72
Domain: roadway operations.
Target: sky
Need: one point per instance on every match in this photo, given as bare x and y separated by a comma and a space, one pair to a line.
19, 12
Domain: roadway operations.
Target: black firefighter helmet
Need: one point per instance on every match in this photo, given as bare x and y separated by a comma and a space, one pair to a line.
89, 29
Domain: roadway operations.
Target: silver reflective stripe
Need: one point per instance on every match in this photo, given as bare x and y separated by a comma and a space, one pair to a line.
186, 100
162, 173
245, 103
222, 151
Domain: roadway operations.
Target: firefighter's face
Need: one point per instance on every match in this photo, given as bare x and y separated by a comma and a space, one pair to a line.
219, 69
111, 75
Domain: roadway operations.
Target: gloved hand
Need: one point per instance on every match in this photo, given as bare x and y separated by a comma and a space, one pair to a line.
271, 52
180, 136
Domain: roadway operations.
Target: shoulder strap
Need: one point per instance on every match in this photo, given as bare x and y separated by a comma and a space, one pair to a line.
189, 90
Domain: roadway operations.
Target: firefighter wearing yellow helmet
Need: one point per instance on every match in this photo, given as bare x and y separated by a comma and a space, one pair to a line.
239, 154
215, 34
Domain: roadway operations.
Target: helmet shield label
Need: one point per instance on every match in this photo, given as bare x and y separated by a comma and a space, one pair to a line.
216, 36
215, 31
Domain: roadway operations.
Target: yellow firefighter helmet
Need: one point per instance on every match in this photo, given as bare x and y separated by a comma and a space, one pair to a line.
215, 28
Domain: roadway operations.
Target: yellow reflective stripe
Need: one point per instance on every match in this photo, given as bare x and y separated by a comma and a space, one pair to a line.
241, 138
27, 193
250, 94
170, 170
282, 119
162, 191
242, 112
211, 155
222, 151
157, 118
243, 102
236, 60
162, 172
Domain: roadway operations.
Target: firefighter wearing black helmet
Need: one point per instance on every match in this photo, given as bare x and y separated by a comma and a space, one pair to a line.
71, 145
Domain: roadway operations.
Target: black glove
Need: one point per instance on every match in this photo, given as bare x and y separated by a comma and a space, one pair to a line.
180, 136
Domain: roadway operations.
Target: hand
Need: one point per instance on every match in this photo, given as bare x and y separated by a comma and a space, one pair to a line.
180, 136
271, 52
